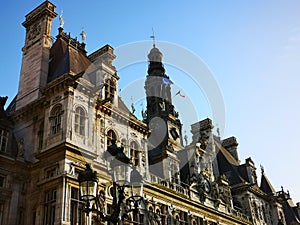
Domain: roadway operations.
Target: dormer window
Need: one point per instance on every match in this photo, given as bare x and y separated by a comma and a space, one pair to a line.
110, 88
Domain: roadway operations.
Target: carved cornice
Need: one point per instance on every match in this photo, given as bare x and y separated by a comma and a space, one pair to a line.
132, 121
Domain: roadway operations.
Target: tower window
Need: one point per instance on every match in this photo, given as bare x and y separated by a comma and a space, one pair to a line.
111, 135
80, 121
110, 88
134, 153
49, 207
55, 119
3, 140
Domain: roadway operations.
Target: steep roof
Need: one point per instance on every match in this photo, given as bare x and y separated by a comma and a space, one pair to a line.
288, 208
265, 184
228, 165
67, 55
122, 106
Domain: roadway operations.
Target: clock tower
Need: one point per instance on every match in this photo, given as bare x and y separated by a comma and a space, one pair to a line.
36, 51
165, 138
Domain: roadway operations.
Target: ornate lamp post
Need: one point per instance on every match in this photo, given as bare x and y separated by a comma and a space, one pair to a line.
123, 176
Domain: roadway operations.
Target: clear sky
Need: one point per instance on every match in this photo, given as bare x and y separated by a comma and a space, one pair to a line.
252, 48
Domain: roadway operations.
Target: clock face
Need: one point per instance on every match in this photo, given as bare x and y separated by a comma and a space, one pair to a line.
174, 133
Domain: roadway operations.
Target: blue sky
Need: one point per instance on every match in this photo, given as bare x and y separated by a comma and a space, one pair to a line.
252, 48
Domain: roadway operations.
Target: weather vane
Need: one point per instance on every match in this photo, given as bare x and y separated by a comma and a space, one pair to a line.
153, 37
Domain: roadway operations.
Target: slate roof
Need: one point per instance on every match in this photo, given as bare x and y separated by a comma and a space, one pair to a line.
122, 106
288, 208
265, 184
228, 165
67, 55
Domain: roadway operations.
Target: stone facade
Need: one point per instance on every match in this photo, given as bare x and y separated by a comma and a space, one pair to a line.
66, 114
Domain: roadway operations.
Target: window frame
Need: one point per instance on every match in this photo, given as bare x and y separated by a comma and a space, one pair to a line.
109, 89
77, 215
134, 153
56, 120
4, 135
110, 135
79, 121
50, 207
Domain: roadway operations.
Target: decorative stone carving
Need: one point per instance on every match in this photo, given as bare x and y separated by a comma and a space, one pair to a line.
21, 148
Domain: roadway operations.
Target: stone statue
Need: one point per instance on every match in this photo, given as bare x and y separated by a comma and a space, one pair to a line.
83, 36
215, 193
71, 168
61, 20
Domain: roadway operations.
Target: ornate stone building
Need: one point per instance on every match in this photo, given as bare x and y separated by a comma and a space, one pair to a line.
68, 111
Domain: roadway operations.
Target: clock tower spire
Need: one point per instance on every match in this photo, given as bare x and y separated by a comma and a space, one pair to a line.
165, 139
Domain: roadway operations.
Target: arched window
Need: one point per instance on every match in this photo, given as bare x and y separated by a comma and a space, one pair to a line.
111, 135
134, 153
110, 88
80, 121
55, 119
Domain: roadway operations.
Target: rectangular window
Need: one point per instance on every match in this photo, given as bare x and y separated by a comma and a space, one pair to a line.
76, 209
2, 179
51, 173
55, 124
49, 207
1, 214
33, 217
3, 140
40, 139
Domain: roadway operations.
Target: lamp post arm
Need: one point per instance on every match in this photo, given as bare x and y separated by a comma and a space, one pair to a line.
117, 203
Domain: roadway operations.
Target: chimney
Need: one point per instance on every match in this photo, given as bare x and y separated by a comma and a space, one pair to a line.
36, 51
230, 144
201, 131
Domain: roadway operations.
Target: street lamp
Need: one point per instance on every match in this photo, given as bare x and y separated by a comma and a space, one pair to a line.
123, 176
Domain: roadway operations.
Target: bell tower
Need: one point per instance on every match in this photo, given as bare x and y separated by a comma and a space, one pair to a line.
36, 51
165, 139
